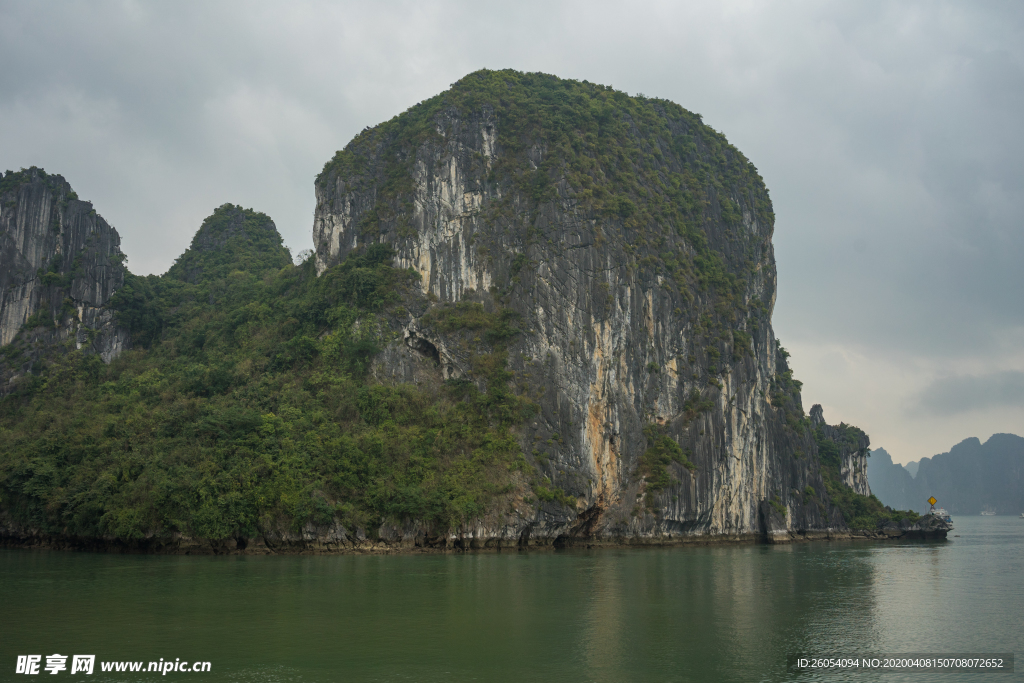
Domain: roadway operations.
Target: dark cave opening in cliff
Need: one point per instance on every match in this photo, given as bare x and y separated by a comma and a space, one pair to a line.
424, 348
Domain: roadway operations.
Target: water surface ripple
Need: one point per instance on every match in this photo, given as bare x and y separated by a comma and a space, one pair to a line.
725, 613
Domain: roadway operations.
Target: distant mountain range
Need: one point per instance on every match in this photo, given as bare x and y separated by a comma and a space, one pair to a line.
970, 478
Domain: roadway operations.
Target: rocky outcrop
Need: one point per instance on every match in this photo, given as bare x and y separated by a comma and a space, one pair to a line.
928, 528
230, 238
60, 263
852, 446
633, 325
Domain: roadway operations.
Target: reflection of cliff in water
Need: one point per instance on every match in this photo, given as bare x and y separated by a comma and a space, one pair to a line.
834, 594
604, 634
920, 576
722, 613
725, 613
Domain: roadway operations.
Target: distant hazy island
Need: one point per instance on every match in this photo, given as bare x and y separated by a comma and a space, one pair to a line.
538, 312
972, 478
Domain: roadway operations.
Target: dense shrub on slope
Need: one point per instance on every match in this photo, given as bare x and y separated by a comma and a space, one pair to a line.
246, 403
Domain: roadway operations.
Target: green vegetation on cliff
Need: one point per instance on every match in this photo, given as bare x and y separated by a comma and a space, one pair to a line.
661, 452
646, 165
859, 511
246, 404
12, 180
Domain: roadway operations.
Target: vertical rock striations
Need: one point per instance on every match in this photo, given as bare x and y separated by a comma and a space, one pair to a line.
850, 446
539, 313
60, 263
633, 245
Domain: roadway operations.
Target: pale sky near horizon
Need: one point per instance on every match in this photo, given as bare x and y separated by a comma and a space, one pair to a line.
889, 135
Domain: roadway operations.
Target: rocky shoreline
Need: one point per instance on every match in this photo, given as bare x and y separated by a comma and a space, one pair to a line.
928, 527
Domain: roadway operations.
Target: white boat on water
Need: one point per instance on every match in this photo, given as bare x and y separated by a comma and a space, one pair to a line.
944, 516
988, 513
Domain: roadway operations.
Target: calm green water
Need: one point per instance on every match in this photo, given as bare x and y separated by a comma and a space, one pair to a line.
675, 614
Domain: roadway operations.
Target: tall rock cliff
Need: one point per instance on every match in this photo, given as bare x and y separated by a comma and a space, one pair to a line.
632, 245
539, 312
60, 263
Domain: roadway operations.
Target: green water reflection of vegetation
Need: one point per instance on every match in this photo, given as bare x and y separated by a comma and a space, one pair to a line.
678, 614
675, 614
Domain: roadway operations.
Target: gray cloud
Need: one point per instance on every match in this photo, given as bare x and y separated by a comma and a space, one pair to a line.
966, 393
888, 134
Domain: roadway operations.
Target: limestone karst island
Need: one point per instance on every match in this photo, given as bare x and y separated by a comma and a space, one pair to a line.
538, 313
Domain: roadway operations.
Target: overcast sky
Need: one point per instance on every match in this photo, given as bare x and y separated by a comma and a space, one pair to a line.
890, 135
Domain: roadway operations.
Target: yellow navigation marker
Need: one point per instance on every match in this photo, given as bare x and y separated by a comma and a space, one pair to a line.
932, 501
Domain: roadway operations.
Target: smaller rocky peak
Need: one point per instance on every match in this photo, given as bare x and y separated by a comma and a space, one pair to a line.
60, 264
53, 246
817, 415
231, 239
227, 221
844, 448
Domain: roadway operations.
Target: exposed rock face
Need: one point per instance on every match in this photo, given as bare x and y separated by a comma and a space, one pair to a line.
621, 331
853, 452
929, 527
60, 263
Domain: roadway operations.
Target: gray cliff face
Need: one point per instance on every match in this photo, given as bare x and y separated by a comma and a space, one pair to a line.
60, 263
612, 345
